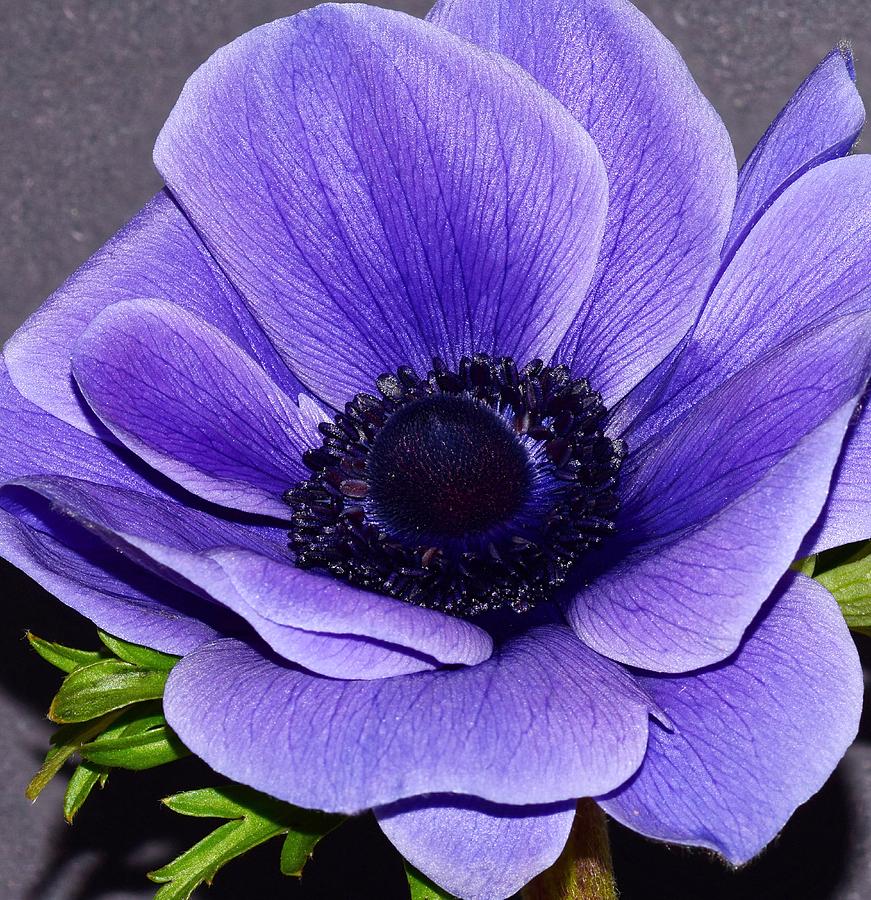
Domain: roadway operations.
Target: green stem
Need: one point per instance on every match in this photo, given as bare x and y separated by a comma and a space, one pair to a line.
584, 870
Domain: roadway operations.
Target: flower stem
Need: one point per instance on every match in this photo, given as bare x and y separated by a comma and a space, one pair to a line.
584, 870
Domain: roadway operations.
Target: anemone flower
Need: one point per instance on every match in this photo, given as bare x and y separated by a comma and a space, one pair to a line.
456, 424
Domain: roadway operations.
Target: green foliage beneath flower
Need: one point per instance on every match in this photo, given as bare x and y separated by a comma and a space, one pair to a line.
84, 779
102, 687
846, 573
144, 657
253, 818
66, 741
64, 658
109, 712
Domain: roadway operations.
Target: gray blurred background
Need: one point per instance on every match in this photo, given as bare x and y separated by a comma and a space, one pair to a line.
84, 89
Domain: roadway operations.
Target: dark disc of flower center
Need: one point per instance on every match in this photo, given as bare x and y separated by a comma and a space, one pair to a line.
464, 490
446, 467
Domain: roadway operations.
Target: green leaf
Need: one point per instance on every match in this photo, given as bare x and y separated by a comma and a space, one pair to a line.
87, 738
850, 584
101, 687
138, 719
66, 741
83, 780
421, 888
67, 659
307, 827
200, 864
232, 801
255, 818
141, 750
144, 657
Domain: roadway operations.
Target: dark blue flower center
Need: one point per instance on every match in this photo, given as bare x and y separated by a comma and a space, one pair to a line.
464, 490
447, 467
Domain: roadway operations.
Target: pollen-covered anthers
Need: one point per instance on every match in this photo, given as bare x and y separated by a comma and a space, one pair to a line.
557, 420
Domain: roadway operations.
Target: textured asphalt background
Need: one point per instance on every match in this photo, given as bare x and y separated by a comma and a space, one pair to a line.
84, 89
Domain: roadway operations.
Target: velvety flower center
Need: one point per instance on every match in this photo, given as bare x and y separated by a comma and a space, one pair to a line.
446, 466
463, 491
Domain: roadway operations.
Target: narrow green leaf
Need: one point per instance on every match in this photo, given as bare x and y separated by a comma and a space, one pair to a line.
421, 888
138, 718
255, 818
141, 750
67, 659
104, 686
133, 720
144, 657
232, 801
850, 584
66, 741
307, 829
83, 780
296, 851
199, 859
200, 864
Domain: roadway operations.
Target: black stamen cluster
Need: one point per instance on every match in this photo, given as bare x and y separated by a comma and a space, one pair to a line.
334, 527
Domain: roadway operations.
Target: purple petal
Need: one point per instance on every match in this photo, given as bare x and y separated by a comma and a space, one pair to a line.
671, 169
806, 261
846, 517
37, 443
382, 192
543, 720
87, 575
189, 402
754, 737
329, 627
715, 510
157, 254
821, 122
107, 510
729, 439
285, 595
334, 655
66, 558
477, 850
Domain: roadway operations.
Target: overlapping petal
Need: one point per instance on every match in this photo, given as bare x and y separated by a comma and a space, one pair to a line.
333, 651
846, 517
807, 260
107, 510
158, 254
328, 626
190, 403
289, 596
716, 509
477, 850
543, 720
382, 192
63, 557
821, 122
89, 576
35, 442
671, 169
753, 737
